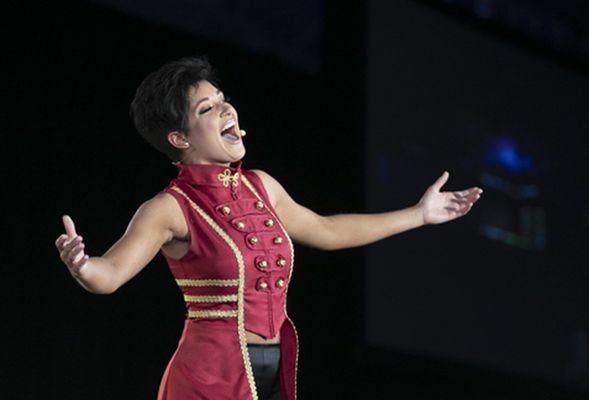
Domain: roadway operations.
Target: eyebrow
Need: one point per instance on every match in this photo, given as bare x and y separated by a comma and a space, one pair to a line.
205, 99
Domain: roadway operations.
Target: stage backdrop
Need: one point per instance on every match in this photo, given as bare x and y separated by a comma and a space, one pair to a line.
506, 286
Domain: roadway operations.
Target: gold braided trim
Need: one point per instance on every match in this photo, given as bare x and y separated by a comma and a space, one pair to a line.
253, 189
211, 313
227, 178
210, 299
207, 282
240, 289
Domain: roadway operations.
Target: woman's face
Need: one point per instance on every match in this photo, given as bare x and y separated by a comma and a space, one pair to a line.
214, 136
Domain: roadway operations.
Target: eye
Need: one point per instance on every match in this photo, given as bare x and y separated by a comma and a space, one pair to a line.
204, 110
226, 99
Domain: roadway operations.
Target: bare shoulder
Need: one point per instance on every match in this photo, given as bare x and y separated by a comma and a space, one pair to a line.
161, 204
164, 208
272, 186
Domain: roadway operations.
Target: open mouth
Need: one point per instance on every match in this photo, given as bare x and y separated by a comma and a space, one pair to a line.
229, 133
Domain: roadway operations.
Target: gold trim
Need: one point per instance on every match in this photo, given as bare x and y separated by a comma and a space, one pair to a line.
254, 191
212, 313
240, 289
227, 178
207, 282
210, 299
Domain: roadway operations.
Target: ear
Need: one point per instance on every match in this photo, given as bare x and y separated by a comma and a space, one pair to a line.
178, 140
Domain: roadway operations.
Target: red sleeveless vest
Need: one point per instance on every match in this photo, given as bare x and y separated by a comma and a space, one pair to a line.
234, 278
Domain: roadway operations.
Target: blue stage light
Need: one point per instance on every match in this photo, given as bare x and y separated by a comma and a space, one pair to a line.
503, 152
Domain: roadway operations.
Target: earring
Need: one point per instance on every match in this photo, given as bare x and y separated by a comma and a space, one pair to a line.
243, 132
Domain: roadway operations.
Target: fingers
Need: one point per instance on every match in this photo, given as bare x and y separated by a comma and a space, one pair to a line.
441, 181
71, 246
462, 201
79, 263
68, 247
472, 193
464, 198
455, 212
70, 251
69, 226
60, 241
461, 207
64, 243
76, 253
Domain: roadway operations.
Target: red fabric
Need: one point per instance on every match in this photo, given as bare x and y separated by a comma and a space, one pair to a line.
209, 362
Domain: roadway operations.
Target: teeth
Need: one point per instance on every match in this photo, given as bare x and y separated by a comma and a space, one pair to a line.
228, 125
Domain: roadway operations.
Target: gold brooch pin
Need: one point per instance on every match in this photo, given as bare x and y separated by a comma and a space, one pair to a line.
227, 178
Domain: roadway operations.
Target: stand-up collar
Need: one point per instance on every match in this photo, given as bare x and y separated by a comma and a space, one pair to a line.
210, 174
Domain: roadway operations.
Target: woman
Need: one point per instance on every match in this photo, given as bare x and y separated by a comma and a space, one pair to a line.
226, 235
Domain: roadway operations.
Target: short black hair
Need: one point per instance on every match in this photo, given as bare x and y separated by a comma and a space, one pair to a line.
161, 104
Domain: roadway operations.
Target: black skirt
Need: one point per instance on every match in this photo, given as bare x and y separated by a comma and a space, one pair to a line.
265, 360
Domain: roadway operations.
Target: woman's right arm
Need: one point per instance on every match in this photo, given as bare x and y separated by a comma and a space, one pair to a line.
153, 224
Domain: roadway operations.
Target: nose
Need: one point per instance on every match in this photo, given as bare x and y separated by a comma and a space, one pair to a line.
228, 110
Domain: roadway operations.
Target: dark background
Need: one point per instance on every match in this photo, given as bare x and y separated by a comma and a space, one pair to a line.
504, 287
71, 72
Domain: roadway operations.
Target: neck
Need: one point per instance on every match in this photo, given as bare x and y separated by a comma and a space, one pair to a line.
198, 160
222, 164
211, 164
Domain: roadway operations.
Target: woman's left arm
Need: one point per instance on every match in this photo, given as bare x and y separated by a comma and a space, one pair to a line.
352, 230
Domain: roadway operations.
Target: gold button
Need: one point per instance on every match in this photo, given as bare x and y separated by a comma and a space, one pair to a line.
253, 240
269, 222
277, 240
281, 262
240, 225
259, 205
280, 283
225, 210
263, 285
263, 263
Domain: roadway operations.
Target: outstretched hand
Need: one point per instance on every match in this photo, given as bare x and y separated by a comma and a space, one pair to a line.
71, 247
438, 207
